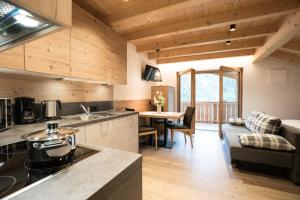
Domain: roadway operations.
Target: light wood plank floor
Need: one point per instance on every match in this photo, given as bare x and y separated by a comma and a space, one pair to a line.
184, 173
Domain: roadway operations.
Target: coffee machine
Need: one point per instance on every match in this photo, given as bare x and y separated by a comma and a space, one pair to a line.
25, 110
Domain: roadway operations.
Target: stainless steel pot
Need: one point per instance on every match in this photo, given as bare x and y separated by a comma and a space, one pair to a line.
52, 144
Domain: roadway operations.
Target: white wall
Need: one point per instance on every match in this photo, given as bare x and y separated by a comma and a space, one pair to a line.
282, 100
136, 88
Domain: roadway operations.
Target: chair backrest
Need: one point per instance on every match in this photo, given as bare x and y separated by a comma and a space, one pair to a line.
188, 116
129, 109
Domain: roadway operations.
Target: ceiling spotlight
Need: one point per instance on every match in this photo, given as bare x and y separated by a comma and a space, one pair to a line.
232, 27
228, 42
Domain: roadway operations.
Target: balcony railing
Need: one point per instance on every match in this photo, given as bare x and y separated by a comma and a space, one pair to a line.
208, 112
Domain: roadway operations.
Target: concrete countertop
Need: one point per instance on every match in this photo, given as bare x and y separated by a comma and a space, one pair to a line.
14, 134
97, 174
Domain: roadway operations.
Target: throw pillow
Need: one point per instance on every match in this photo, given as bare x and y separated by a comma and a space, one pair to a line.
251, 120
237, 121
267, 124
265, 141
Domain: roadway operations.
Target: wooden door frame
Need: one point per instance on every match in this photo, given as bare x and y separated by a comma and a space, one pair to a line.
220, 72
240, 93
193, 90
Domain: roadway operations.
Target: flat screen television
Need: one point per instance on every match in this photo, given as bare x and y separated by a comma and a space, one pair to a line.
152, 74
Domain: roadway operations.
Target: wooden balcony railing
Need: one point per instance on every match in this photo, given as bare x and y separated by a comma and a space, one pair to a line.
208, 112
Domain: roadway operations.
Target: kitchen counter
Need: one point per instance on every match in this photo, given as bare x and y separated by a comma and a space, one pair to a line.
109, 174
14, 134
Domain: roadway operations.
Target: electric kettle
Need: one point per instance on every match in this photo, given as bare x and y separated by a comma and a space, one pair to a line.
51, 108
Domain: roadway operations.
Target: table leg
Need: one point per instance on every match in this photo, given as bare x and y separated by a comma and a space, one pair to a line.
165, 132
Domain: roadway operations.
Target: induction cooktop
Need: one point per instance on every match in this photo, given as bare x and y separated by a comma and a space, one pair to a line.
18, 174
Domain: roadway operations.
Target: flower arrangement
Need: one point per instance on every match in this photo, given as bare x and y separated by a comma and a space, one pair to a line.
159, 100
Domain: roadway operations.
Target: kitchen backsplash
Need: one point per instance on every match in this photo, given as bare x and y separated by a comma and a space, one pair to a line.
12, 86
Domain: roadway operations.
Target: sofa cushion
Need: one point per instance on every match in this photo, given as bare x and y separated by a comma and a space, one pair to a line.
266, 124
249, 123
265, 141
237, 121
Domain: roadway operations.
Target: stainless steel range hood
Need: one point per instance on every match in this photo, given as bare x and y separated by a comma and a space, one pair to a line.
18, 25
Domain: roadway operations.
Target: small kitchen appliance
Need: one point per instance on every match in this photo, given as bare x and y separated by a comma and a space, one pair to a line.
25, 110
51, 108
6, 113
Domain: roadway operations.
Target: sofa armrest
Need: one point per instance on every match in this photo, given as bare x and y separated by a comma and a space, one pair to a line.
292, 134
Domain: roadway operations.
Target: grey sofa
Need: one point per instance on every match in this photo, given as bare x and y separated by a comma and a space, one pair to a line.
282, 159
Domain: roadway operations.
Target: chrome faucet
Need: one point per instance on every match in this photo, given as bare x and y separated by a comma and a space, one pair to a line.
86, 110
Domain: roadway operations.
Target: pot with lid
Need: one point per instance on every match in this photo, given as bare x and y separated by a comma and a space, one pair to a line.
52, 145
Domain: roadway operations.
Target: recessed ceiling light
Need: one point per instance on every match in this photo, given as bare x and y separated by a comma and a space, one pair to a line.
232, 27
228, 42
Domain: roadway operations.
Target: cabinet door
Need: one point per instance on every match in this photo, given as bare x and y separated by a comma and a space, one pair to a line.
126, 133
50, 54
116, 57
13, 58
80, 135
56, 10
92, 134
87, 47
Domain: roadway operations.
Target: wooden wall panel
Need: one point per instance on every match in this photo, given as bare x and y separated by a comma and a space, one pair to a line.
13, 58
116, 57
138, 105
43, 89
87, 47
50, 54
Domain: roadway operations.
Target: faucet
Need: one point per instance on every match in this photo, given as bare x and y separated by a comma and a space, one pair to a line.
86, 110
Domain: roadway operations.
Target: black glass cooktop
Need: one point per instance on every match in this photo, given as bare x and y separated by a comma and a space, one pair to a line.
16, 172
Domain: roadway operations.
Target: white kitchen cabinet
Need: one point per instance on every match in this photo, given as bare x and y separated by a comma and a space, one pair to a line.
80, 135
121, 133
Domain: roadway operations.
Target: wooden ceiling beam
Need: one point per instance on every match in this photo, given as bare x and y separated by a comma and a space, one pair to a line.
293, 45
210, 48
142, 8
288, 30
248, 14
207, 56
200, 39
286, 56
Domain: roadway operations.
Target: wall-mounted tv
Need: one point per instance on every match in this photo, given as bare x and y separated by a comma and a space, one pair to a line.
152, 74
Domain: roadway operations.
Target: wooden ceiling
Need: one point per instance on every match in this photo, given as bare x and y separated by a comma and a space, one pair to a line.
185, 30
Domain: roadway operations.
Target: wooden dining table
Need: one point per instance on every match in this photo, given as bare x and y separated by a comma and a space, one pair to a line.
165, 116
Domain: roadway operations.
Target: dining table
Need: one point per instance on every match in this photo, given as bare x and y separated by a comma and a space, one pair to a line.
165, 116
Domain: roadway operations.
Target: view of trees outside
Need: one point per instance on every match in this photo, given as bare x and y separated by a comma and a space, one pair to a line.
207, 88
185, 84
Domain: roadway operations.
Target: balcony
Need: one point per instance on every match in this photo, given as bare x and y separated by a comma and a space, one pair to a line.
208, 112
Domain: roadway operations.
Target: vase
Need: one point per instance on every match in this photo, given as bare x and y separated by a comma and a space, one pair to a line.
159, 108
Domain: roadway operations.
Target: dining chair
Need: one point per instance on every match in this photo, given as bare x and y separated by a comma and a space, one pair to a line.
145, 129
185, 127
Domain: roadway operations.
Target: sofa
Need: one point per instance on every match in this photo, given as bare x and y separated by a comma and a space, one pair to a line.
287, 160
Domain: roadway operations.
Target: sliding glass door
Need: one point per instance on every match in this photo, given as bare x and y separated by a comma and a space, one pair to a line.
216, 94
230, 94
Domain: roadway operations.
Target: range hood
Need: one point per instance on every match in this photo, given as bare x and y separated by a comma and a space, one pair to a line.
18, 25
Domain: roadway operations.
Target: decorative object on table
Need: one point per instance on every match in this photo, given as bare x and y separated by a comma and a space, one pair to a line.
185, 127
159, 101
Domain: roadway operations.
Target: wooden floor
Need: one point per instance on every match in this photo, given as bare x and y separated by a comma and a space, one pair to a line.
184, 173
